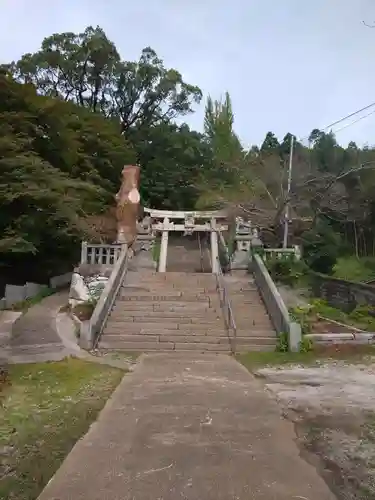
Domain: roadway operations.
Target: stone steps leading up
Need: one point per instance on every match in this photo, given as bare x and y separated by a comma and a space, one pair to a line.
176, 311
248, 308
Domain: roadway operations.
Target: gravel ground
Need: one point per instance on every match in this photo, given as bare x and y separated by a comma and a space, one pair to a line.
333, 408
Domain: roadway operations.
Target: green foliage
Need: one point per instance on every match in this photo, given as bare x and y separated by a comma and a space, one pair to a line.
74, 112
356, 269
218, 128
303, 316
287, 271
225, 179
156, 250
282, 342
362, 317
26, 304
51, 405
270, 143
306, 345
321, 247
71, 115
87, 69
59, 164
171, 159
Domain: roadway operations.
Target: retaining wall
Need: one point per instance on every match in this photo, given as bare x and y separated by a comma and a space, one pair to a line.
18, 293
342, 294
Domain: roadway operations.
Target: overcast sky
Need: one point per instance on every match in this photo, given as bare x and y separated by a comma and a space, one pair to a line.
289, 65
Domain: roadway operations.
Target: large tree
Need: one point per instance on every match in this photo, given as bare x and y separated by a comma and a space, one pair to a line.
87, 69
59, 164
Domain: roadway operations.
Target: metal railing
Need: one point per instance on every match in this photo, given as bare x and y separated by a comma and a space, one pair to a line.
226, 307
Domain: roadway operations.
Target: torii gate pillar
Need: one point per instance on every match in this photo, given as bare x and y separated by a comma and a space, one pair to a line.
214, 248
164, 247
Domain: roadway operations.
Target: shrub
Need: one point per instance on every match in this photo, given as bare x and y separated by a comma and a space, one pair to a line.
286, 271
306, 345
282, 343
321, 247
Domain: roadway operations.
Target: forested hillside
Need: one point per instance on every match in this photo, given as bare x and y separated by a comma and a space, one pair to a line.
73, 113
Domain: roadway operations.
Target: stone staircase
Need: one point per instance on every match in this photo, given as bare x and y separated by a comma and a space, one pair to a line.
170, 311
252, 320
186, 255
180, 311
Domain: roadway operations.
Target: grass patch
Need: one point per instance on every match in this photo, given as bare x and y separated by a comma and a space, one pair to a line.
362, 317
48, 407
32, 301
131, 357
353, 354
353, 269
156, 250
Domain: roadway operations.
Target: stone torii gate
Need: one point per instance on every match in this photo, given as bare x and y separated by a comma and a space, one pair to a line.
188, 222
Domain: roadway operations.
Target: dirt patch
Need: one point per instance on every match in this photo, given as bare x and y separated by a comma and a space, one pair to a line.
83, 311
333, 408
324, 326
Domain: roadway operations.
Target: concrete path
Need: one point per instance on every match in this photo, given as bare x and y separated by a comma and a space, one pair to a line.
34, 335
44, 334
189, 427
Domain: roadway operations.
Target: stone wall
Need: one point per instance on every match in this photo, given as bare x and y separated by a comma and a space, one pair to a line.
342, 294
18, 293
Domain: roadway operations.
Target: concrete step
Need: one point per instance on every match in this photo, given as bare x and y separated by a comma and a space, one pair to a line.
164, 325
255, 330
245, 300
188, 307
165, 337
252, 319
166, 296
194, 308
137, 346
181, 287
139, 331
178, 315
144, 346
163, 317
254, 347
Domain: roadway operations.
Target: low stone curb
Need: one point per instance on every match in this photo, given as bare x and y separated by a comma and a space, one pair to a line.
67, 333
7, 320
342, 338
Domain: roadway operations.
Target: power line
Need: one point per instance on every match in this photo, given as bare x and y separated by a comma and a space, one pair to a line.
355, 121
349, 116
344, 119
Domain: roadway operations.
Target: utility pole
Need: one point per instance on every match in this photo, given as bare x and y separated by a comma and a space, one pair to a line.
286, 216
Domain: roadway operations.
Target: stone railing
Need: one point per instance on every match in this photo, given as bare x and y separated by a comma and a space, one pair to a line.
281, 253
103, 254
275, 305
92, 329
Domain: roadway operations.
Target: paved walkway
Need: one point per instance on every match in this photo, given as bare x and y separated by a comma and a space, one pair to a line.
34, 336
43, 334
195, 428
